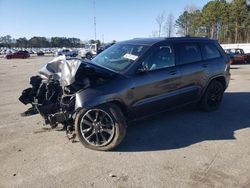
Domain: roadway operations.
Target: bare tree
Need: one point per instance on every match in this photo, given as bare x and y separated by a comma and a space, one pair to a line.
169, 26
160, 19
155, 33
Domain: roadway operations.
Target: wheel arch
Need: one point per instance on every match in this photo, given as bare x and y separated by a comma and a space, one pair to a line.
219, 78
118, 103
97, 101
122, 106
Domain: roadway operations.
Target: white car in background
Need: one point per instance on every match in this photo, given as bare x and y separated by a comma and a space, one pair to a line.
89, 51
67, 53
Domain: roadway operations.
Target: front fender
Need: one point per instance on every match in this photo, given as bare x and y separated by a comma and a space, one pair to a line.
89, 98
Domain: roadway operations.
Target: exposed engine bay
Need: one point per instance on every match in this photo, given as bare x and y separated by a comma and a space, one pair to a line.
53, 90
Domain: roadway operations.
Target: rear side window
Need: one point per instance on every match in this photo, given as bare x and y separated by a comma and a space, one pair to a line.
210, 51
188, 53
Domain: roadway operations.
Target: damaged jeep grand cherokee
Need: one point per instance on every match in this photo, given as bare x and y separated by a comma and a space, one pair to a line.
96, 99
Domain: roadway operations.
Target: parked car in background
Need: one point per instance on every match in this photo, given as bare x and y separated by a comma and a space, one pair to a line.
49, 51
89, 51
40, 53
238, 55
67, 53
19, 54
5, 51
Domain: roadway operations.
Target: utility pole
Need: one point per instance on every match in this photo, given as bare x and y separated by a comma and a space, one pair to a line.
94, 20
103, 38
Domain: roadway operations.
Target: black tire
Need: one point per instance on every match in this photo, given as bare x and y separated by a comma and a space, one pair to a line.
212, 97
89, 56
119, 127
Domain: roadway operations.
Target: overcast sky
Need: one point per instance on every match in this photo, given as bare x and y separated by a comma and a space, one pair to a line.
115, 19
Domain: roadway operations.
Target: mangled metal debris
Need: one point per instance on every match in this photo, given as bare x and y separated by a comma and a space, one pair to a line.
53, 91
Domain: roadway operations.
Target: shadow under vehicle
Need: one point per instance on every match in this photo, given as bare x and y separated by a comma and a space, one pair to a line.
184, 127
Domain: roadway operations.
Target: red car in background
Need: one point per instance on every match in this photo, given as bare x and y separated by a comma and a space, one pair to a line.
19, 54
238, 55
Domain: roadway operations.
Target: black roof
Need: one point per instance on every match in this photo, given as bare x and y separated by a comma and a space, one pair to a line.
152, 41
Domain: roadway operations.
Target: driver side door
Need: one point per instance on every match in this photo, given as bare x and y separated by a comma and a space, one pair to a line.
156, 88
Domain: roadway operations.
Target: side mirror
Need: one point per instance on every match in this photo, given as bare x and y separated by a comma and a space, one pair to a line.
142, 69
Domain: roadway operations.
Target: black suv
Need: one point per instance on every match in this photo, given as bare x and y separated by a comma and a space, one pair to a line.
154, 75
131, 80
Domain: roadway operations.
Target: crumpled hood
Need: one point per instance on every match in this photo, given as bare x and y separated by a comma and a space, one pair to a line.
61, 69
67, 71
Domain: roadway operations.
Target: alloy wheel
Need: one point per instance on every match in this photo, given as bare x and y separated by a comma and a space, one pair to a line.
97, 127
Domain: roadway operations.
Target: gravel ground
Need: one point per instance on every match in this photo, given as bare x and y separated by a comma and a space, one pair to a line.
183, 148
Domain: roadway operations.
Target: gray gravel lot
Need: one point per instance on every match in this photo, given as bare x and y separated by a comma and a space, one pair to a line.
182, 148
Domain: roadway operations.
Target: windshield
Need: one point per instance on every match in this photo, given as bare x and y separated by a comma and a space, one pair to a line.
87, 46
119, 56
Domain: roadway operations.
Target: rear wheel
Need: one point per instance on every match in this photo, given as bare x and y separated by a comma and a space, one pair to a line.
101, 128
212, 97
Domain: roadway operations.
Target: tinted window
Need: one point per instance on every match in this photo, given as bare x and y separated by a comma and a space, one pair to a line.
188, 53
161, 57
119, 56
210, 51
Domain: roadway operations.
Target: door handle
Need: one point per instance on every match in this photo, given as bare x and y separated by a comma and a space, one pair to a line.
173, 72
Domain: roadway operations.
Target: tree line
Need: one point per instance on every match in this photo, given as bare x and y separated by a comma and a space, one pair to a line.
40, 42
226, 21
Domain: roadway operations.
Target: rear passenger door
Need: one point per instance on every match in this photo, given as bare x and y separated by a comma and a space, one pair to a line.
193, 70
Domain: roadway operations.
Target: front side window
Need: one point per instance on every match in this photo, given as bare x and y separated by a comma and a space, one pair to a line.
210, 51
119, 56
159, 58
188, 53
87, 46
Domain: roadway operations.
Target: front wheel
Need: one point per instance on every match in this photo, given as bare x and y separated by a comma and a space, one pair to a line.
101, 128
212, 97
